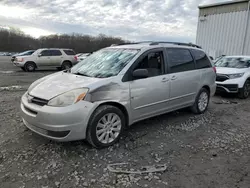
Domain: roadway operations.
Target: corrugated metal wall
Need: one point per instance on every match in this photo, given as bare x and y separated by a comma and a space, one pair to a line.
236, 6
223, 33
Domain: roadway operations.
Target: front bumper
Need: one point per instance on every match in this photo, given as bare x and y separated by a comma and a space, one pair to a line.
228, 88
57, 123
18, 64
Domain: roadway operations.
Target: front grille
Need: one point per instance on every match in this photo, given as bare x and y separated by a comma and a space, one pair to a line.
221, 77
39, 101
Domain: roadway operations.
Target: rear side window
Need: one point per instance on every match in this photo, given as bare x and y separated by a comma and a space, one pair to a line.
180, 60
69, 52
55, 52
45, 53
201, 59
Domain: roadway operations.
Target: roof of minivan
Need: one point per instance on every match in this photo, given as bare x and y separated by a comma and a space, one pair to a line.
149, 46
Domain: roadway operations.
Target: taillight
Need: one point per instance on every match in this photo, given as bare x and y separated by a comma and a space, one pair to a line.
214, 68
75, 58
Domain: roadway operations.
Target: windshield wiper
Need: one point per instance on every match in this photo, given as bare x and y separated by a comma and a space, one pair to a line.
81, 74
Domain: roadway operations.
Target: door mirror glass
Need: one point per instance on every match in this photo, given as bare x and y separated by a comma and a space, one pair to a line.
140, 73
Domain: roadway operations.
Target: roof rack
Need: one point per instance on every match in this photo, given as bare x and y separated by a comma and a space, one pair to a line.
176, 43
127, 43
159, 42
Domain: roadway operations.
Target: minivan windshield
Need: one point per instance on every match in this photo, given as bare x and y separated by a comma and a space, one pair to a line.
233, 62
104, 63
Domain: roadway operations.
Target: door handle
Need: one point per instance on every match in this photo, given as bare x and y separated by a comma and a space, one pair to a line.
173, 78
164, 79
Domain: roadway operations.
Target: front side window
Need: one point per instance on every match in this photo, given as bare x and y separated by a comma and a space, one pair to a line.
153, 62
45, 53
105, 63
55, 53
233, 62
180, 60
201, 59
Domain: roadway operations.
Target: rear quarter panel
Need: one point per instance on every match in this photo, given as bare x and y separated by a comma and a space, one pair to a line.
208, 78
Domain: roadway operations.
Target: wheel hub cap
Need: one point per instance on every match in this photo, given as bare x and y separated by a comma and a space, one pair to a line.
108, 128
203, 101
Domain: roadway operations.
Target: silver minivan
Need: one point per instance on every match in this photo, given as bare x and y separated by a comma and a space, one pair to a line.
116, 87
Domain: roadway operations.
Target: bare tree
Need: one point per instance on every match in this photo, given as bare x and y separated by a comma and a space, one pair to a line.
14, 40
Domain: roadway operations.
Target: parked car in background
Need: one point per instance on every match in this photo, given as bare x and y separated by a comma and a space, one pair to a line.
116, 87
233, 75
47, 57
82, 56
218, 58
26, 53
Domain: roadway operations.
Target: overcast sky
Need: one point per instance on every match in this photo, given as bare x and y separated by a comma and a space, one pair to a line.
174, 20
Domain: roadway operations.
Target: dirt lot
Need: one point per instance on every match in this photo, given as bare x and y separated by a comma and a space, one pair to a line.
210, 150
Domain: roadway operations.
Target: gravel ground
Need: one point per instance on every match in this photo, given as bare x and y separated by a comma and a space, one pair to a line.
209, 150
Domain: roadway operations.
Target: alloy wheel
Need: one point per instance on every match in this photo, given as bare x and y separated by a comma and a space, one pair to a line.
203, 101
108, 128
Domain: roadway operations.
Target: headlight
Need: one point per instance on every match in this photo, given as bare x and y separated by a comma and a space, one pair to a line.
68, 98
232, 76
20, 59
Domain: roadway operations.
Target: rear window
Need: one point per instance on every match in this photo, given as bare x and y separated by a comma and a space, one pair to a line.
69, 52
201, 59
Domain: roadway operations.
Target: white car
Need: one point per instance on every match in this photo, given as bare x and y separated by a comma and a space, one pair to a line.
233, 75
49, 57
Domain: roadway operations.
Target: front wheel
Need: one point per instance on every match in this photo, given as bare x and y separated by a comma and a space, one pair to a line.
105, 126
30, 66
244, 92
201, 102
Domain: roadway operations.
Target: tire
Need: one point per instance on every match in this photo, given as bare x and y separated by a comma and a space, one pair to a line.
30, 66
97, 123
66, 65
23, 69
244, 92
201, 102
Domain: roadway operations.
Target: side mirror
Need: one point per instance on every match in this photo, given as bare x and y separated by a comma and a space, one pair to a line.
39, 55
140, 73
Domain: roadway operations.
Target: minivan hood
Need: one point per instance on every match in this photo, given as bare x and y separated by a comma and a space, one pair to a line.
225, 70
57, 84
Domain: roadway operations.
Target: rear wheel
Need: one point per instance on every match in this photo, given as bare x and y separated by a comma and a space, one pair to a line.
30, 66
244, 92
201, 102
105, 126
66, 65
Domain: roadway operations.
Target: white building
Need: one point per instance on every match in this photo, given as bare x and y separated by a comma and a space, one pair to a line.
224, 28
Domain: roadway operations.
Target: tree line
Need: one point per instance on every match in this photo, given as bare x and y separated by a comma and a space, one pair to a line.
14, 40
